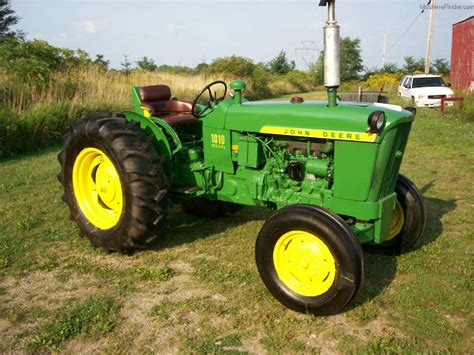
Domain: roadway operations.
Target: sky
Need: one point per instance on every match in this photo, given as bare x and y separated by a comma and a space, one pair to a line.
189, 32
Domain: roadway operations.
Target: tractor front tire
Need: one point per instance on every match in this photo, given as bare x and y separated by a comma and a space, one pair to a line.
309, 259
114, 182
408, 220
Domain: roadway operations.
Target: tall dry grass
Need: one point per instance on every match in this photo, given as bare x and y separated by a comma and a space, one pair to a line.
34, 116
91, 86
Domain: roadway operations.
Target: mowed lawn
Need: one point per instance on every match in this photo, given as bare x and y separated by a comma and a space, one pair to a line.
198, 290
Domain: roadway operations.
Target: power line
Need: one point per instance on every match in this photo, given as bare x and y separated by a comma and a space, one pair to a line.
405, 32
408, 28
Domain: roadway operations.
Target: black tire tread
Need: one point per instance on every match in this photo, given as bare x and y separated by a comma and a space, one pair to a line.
335, 231
409, 242
144, 188
408, 195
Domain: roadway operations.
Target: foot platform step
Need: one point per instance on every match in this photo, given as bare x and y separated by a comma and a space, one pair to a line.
187, 189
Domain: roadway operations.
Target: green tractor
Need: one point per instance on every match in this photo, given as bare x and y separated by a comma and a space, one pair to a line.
329, 170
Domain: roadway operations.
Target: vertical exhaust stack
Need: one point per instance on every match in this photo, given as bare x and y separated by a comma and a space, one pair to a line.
332, 53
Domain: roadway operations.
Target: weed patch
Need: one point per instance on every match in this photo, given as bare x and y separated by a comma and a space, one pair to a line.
154, 274
94, 317
163, 310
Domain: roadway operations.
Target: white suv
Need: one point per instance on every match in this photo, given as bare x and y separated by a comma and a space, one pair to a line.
425, 90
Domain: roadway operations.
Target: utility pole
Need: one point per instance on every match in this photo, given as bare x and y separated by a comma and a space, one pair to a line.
430, 38
384, 52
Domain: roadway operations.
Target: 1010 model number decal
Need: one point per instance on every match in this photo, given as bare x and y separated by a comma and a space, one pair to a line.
217, 141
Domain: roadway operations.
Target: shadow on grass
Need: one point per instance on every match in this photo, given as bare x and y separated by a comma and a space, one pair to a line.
437, 208
380, 270
185, 228
32, 154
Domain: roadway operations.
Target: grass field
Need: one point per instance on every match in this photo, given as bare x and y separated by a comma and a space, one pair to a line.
198, 290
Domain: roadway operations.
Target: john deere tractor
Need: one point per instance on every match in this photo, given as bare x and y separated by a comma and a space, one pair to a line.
329, 170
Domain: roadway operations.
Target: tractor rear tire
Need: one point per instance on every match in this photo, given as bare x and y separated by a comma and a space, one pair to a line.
309, 259
114, 182
411, 211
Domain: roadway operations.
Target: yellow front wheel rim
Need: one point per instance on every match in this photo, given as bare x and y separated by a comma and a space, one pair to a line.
304, 263
398, 220
97, 188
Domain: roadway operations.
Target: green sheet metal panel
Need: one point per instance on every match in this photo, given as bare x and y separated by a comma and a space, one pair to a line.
250, 152
217, 149
354, 165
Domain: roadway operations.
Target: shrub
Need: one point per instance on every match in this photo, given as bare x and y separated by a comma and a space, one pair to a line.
235, 66
42, 125
259, 83
301, 80
175, 69
453, 113
35, 61
383, 82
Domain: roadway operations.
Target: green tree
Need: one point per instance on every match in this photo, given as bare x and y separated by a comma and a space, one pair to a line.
147, 64
7, 19
413, 65
280, 64
101, 62
441, 66
236, 66
82, 58
126, 65
259, 82
390, 68
351, 61
175, 69
201, 67
34, 61
318, 69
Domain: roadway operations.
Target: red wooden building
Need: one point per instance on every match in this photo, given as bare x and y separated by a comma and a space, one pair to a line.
462, 58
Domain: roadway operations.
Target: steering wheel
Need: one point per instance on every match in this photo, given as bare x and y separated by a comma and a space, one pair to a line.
212, 103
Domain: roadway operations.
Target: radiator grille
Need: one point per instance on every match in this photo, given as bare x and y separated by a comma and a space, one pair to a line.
393, 167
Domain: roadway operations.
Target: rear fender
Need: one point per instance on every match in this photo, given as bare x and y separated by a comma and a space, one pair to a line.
159, 127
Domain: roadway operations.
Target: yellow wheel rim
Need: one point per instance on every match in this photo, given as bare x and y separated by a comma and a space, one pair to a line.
97, 188
304, 263
398, 220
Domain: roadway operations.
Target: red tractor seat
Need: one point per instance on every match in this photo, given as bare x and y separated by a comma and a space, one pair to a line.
157, 99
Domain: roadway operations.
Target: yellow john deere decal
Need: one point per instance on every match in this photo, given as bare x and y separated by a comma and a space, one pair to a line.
320, 133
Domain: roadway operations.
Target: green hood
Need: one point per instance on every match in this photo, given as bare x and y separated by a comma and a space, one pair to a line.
346, 117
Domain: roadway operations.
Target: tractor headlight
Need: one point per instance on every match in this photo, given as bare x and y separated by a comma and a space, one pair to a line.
376, 121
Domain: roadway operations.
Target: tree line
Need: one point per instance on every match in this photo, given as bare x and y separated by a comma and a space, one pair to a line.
35, 60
